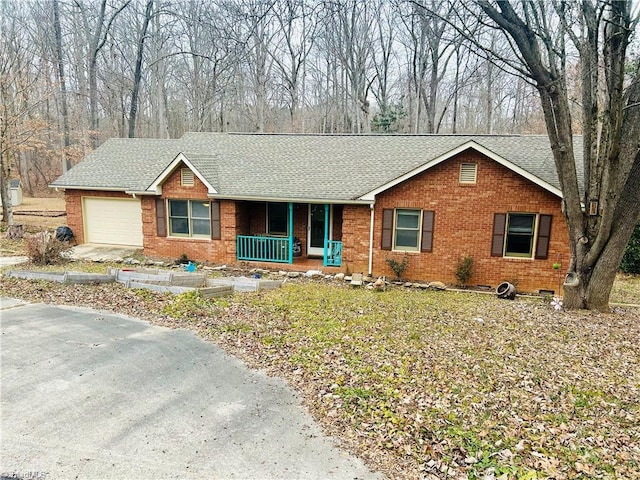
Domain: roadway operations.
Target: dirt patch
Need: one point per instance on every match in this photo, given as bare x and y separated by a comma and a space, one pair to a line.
42, 213
41, 204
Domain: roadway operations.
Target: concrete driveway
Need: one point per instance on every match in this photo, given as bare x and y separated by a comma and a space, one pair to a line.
88, 394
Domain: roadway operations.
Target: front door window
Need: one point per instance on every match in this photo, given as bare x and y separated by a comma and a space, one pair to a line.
315, 242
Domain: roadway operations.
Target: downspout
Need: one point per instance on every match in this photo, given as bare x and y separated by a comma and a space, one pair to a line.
371, 206
290, 232
326, 234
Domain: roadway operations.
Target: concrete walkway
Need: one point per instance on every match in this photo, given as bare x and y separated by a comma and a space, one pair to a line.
91, 395
102, 253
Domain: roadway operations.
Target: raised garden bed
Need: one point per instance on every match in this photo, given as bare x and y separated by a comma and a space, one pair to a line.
63, 277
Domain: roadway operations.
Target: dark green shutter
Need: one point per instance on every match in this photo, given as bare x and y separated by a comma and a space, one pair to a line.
544, 233
216, 233
387, 229
161, 218
497, 244
428, 217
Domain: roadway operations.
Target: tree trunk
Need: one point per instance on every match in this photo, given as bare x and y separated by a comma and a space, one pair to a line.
5, 194
138, 72
601, 222
66, 141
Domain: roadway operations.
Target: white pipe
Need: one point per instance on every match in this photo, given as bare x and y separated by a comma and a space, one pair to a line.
371, 206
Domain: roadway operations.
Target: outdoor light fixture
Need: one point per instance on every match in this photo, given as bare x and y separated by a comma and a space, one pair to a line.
593, 207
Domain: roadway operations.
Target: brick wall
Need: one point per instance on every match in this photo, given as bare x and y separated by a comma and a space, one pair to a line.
463, 226
199, 249
73, 199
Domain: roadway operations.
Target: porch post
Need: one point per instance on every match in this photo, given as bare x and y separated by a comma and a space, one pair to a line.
290, 232
326, 234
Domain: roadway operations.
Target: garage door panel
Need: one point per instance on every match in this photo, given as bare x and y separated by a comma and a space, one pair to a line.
113, 221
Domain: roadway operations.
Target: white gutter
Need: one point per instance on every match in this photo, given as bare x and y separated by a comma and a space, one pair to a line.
371, 206
141, 193
75, 187
289, 199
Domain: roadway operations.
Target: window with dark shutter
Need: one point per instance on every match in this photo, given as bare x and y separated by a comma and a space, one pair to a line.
216, 232
427, 231
544, 233
387, 229
497, 244
161, 218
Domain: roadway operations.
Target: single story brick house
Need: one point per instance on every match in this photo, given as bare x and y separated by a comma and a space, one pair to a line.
332, 202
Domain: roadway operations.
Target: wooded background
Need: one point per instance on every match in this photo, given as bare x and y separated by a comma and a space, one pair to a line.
76, 72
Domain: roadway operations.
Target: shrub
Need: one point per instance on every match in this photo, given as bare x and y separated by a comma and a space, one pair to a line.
398, 267
464, 268
631, 259
44, 248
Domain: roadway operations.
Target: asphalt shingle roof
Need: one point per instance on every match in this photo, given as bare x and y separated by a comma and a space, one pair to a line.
322, 167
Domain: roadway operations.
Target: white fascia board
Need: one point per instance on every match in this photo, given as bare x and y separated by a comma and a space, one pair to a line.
370, 196
253, 198
76, 187
156, 186
138, 192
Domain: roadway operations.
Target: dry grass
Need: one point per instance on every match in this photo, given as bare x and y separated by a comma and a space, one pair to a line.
33, 223
626, 289
36, 223
427, 384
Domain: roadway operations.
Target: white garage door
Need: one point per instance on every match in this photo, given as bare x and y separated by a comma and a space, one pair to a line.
113, 221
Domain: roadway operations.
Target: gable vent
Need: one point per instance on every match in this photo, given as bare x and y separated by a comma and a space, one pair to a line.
468, 172
186, 178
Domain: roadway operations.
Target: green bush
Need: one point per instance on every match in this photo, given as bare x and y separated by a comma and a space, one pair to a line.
464, 269
631, 259
398, 267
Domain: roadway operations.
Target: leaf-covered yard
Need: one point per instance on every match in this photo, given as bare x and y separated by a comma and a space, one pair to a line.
428, 384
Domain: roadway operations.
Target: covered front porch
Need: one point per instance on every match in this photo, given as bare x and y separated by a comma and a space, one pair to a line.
289, 233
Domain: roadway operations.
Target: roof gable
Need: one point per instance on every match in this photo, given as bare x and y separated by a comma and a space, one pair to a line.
181, 158
370, 196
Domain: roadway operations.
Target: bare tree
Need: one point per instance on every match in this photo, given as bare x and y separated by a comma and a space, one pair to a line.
18, 125
353, 24
600, 217
64, 111
293, 42
97, 31
137, 76
431, 43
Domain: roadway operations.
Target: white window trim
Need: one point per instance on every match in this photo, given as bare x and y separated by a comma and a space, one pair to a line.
534, 241
189, 217
393, 239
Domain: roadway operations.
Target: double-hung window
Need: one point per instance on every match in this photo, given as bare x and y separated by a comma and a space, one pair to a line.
189, 218
407, 230
519, 235
523, 235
